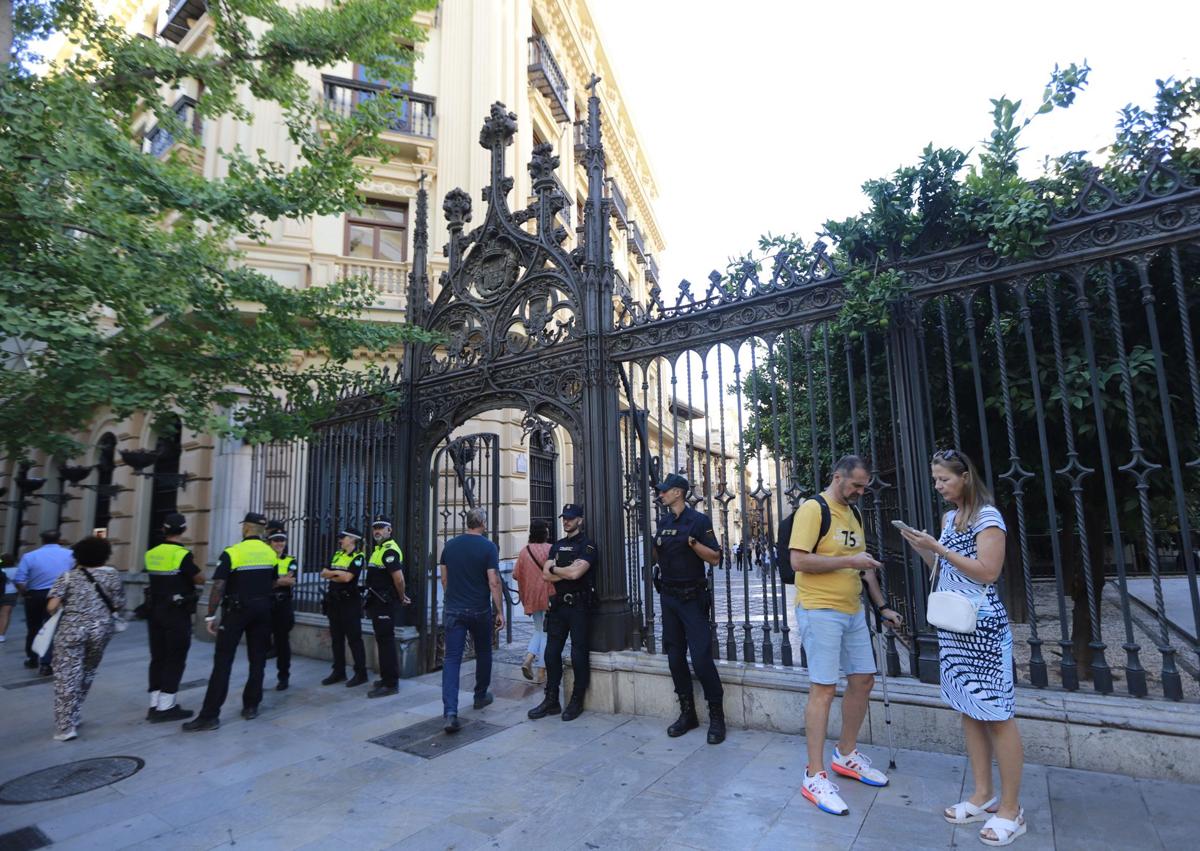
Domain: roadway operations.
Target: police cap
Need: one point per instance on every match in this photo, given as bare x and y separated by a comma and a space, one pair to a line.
174, 523
350, 532
255, 518
380, 520
571, 510
673, 481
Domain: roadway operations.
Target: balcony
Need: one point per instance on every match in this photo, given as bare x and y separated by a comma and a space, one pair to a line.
160, 139
580, 141
414, 114
547, 78
180, 17
651, 270
620, 209
620, 285
388, 279
637, 245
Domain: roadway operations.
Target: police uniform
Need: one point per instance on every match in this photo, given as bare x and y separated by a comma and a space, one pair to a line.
170, 608
283, 617
248, 570
568, 615
382, 602
343, 607
684, 601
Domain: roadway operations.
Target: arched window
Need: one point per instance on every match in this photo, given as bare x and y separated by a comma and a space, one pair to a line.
106, 460
164, 499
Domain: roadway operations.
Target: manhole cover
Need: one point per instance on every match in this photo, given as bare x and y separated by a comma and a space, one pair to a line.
74, 778
25, 839
427, 739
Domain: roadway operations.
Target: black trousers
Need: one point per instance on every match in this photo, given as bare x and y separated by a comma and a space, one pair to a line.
252, 617
685, 629
383, 621
35, 616
170, 629
345, 627
562, 621
282, 621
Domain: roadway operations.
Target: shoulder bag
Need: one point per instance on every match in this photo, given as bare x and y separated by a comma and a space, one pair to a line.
950, 610
119, 623
45, 635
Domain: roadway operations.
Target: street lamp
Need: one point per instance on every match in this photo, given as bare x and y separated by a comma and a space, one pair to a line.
139, 459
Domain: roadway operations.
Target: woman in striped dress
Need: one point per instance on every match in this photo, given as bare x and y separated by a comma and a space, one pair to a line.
976, 668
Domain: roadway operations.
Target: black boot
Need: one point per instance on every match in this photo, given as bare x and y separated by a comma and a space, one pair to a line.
574, 708
687, 719
548, 706
716, 723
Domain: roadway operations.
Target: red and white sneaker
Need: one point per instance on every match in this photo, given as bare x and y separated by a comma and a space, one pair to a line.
822, 792
857, 766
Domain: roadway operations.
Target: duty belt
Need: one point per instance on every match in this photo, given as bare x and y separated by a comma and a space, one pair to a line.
683, 590
572, 598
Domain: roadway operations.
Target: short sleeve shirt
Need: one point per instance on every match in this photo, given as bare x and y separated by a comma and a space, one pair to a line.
565, 551
839, 590
379, 577
467, 560
676, 559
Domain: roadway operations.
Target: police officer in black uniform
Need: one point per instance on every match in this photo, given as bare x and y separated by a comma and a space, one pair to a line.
343, 607
684, 544
242, 587
170, 607
570, 567
384, 595
283, 617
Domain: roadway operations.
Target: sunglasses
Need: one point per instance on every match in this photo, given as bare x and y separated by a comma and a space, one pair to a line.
951, 455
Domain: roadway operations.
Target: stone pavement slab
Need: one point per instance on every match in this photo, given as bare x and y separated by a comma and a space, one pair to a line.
306, 775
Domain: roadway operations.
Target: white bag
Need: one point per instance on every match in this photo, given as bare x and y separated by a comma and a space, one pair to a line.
45, 635
950, 610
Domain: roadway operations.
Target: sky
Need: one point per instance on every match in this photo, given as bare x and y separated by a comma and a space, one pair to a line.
767, 116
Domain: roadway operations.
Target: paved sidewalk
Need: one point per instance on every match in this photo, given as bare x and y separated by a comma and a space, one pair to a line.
304, 775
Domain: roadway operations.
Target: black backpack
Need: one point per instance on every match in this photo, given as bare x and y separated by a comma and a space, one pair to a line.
782, 544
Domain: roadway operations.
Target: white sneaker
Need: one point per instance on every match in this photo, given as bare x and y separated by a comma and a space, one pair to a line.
3, 638
65, 737
857, 766
824, 794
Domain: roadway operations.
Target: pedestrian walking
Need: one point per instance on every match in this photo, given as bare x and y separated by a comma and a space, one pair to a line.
343, 607
684, 544
828, 553
8, 594
569, 567
89, 595
535, 594
976, 667
171, 608
470, 571
385, 594
283, 616
36, 573
242, 587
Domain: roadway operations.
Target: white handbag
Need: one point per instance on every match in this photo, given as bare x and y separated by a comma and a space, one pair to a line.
950, 610
45, 635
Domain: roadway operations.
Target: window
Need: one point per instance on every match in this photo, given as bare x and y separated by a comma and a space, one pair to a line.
378, 232
164, 498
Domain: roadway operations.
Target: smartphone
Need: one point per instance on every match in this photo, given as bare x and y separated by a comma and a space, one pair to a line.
901, 525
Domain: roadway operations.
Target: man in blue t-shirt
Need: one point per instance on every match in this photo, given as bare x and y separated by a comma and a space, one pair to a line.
35, 574
470, 570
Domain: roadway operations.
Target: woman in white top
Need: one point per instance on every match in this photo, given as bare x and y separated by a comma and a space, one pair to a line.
977, 667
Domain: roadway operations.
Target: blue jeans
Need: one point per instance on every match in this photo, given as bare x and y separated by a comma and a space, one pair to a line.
458, 623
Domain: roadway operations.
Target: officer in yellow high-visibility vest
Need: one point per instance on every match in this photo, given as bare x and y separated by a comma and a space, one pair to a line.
242, 586
283, 617
343, 607
385, 590
174, 576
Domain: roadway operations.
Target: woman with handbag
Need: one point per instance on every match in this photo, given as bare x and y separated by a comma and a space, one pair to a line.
91, 597
535, 595
976, 657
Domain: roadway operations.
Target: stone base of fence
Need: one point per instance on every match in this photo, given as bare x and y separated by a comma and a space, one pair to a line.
1141, 738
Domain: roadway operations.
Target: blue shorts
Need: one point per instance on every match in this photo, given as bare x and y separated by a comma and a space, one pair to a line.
834, 640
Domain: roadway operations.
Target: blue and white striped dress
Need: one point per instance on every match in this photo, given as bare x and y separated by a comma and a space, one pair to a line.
976, 669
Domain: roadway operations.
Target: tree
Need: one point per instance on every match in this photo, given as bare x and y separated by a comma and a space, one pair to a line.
121, 284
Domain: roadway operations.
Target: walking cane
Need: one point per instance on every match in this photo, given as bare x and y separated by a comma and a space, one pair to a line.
887, 704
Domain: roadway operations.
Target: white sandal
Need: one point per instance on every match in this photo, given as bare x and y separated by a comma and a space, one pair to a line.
1006, 830
965, 812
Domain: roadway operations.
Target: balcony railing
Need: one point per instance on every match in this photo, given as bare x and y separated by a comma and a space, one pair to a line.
414, 113
620, 209
180, 17
390, 279
651, 270
636, 244
580, 140
548, 78
160, 139
620, 285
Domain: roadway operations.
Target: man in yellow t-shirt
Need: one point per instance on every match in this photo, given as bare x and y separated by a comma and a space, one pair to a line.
828, 553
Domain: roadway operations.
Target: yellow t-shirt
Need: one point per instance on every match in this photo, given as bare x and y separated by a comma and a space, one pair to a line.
839, 589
